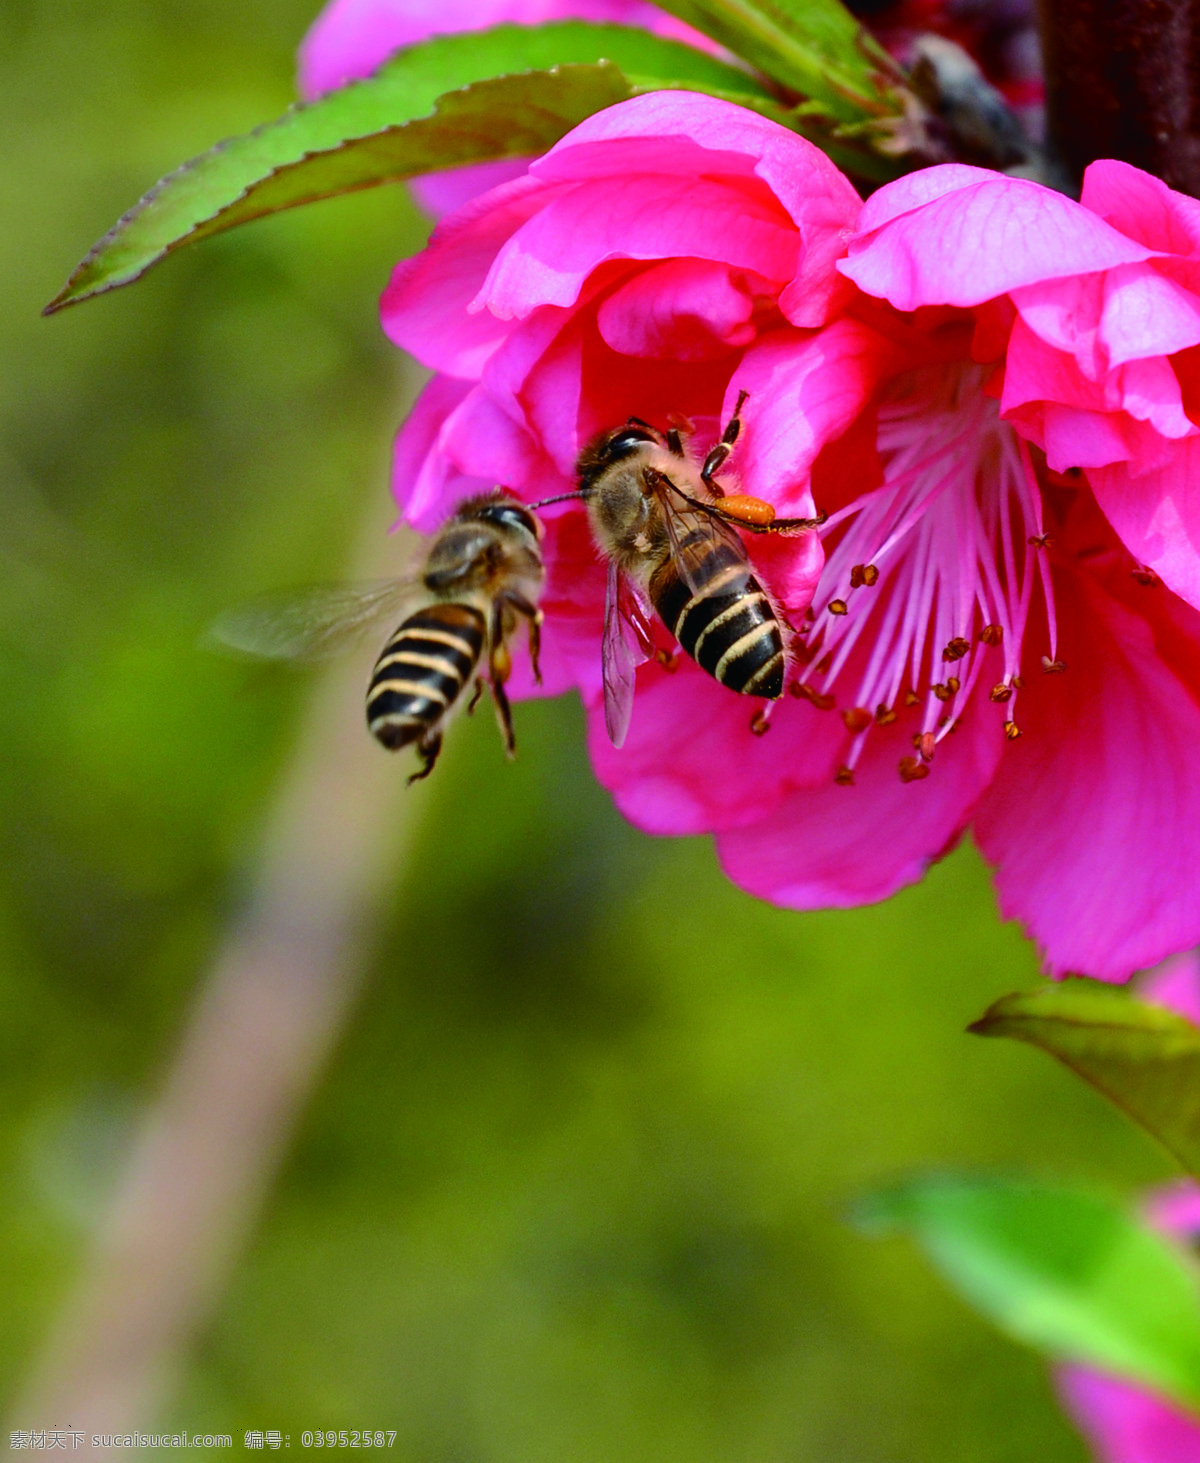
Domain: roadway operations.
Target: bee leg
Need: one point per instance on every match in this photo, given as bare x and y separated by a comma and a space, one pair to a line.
500, 667
474, 702
535, 618
427, 749
719, 455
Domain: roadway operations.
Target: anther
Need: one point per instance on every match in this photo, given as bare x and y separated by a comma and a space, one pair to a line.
1146, 576
1039, 541
857, 718
911, 698
1018, 682
1001, 691
913, 770
926, 743
957, 648
838, 607
1053, 667
1011, 730
844, 777
992, 634
824, 664
760, 723
667, 659
953, 684
863, 574
941, 690
884, 715
801, 690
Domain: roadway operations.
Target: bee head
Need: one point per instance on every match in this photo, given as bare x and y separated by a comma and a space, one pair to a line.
611, 447
503, 512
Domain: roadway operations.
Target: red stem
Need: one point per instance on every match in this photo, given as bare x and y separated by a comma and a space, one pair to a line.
1123, 81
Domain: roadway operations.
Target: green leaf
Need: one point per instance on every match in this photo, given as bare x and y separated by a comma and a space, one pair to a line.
1068, 1273
815, 47
1144, 1057
435, 105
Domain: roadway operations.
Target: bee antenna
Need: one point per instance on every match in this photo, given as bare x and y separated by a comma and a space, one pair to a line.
561, 498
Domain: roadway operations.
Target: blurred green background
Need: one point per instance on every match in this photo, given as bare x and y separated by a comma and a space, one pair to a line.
574, 1185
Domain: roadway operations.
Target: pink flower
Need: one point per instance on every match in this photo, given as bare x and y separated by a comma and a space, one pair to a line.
1102, 369
1123, 1422
675, 251
351, 38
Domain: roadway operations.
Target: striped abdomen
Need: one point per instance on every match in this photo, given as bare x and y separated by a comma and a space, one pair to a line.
422, 672
728, 628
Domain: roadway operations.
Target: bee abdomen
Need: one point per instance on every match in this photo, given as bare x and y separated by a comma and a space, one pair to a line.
736, 638
422, 671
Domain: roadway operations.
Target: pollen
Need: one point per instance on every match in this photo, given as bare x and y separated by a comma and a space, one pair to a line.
844, 776
1146, 576
1001, 691
991, 635
1011, 730
912, 770
838, 607
823, 702
884, 715
957, 648
863, 575
857, 718
1053, 667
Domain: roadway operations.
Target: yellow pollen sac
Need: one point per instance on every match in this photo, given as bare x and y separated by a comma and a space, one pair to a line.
844, 777
748, 510
992, 634
863, 575
1053, 667
1001, 691
760, 724
911, 698
1039, 541
941, 690
1145, 576
953, 684
838, 607
926, 743
912, 770
1011, 730
884, 715
957, 648
857, 718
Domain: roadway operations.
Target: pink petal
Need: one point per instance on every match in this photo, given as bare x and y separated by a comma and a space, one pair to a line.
804, 391
683, 309
838, 847
1093, 822
1143, 207
683, 133
442, 193
1126, 1424
915, 190
1157, 515
426, 306
1125, 314
691, 764
974, 243
641, 214
1174, 1208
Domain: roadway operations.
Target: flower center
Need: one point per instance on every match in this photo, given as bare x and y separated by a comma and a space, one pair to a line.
932, 571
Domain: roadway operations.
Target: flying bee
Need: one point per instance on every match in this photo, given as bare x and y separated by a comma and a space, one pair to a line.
668, 531
481, 578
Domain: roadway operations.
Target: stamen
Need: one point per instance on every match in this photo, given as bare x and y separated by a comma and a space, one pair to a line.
952, 536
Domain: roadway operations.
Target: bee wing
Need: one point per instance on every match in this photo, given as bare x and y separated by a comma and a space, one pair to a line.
692, 533
626, 644
313, 624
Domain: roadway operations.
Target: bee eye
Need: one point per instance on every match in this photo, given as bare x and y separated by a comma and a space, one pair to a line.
628, 441
509, 515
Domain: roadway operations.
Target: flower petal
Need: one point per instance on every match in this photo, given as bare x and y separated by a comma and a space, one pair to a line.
1157, 515
838, 847
1093, 823
975, 243
1126, 1424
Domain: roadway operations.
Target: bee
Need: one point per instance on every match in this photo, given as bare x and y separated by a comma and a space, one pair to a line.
668, 532
481, 578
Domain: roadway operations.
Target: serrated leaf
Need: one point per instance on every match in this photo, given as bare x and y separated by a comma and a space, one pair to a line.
1143, 1057
815, 47
1069, 1273
436, 105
